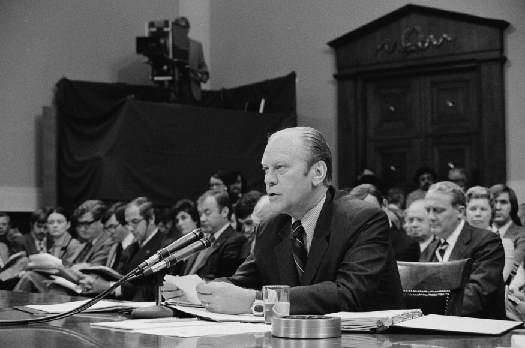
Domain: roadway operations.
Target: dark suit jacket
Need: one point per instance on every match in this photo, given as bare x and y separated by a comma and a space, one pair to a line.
351, 265
405, 247
98, 254
28, 242
131, 257
485, 291
517, 235
222, 259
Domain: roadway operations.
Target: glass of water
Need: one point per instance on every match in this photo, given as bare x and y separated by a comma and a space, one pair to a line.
276, 300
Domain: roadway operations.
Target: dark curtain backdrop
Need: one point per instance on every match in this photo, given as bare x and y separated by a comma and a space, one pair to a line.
117, 142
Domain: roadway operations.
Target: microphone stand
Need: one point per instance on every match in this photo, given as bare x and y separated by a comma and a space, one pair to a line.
158, 310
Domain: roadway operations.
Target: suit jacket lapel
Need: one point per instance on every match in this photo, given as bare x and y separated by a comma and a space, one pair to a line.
319, 244
283, 254
430, 251
463, 239
216, 244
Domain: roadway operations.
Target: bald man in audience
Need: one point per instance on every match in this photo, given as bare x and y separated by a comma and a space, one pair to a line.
456, 240
416, 220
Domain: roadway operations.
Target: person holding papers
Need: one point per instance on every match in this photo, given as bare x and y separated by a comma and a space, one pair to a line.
334, 251
455, 240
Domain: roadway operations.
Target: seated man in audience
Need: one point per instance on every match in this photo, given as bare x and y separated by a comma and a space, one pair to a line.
243, 211
114, 225
505, 221
223, 257
140, 220
459, 177
455, 240
337, 257
8, 246
425, 176
37, 240
417, 224
405, 248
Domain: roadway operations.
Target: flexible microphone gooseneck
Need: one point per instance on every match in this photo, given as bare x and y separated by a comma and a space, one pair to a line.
177, 256
180, 243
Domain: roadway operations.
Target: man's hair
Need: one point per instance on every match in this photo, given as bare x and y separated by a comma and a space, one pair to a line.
364, 190
145, 208
186, 205
56, 210
480, 192
111, 211
182, 22
226, 178
424, 170
452, 189
317, 150
513, 199
221, 197
96, 207
39, 215
6, 215
246, 204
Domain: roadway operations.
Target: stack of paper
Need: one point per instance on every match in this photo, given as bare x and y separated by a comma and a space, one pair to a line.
205, 314
101, 306
374, 321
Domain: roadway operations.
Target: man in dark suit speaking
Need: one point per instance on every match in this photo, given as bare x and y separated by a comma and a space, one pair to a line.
337, 257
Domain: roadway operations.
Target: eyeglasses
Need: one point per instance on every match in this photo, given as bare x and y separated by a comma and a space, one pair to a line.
85, 224
134, 222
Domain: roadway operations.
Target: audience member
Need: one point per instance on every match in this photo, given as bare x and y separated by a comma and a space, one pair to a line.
244, 211
38, 240
221, 181
343, 242
405, 248
396, 197
480, 205
261, 210
417, 225
119, 234
459, 176
8, 246
521, 213
140, 220
425, 176
505, 222
238, 187
186, 216
485, 291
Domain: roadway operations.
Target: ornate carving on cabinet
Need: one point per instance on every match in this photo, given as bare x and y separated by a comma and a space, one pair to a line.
413, 40
421, 86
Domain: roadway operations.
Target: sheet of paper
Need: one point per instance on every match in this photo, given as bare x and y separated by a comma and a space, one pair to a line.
99, 306
142, 324
459, 324
215, 329
364, 315
203, 313
188, 284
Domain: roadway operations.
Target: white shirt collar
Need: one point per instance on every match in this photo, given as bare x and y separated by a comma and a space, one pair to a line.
452, 239
503, 229
127, 241
149, 238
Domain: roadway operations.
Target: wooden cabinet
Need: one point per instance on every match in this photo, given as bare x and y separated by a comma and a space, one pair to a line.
421, 86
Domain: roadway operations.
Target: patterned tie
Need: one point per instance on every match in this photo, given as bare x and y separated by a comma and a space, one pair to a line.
440, 251
300, 254
41, 247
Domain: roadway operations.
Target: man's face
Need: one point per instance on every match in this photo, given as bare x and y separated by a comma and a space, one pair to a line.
116, 231
289, 183
417, 222
39, 230
425, 180
212, 218
217, 184
136, 223
502, 209
442, 216
87, 227
458, 178
248, 225
236, 187
4, 226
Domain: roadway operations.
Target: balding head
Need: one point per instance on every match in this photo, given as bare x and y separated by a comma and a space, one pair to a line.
417, 221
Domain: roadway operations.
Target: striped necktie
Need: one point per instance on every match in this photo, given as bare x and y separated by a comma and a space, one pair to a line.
440, 251
300, 254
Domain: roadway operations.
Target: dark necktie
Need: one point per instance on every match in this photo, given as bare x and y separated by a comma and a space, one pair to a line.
298, 248
440, 251
82, 257
118, 254
41, 247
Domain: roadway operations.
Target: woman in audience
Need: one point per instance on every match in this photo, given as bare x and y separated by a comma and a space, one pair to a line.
64, 246
480, 207
186, 216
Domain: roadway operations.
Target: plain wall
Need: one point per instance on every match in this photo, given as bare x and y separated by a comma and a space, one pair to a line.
262, 39
249, 40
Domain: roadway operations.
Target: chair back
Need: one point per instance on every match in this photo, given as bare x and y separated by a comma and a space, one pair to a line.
435, 287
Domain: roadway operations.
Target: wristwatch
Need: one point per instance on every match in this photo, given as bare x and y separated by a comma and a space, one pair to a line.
258, 308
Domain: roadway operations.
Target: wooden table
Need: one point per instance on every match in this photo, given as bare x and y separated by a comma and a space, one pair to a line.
76, 332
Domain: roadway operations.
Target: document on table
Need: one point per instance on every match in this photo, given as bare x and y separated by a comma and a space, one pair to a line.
101, 306
203, 313
209, 329
459, 324
188, 284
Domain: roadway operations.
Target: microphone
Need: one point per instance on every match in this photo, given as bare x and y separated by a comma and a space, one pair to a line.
180, 255
180, 243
